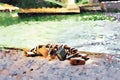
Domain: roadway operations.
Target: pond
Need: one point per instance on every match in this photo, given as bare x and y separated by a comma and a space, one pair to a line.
95, 36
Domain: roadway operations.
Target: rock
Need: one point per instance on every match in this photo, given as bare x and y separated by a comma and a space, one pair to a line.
77, 61
110, 5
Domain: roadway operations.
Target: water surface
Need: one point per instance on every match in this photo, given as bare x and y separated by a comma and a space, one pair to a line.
94, 36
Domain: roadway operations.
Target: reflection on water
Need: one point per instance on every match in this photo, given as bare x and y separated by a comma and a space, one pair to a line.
95, 36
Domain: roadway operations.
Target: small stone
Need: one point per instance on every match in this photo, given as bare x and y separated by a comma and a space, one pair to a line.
31, 69
24, 72
77, 61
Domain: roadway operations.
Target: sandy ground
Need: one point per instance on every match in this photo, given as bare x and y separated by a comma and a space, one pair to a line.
15, 66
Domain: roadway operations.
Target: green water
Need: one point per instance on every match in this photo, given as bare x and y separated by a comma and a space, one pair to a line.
94, 34
99, 36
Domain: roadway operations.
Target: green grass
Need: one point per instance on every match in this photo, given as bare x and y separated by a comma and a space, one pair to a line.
37, 3
7, 19
45, 3
56, 2
82, 1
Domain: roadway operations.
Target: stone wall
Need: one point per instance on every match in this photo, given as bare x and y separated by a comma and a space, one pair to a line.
97, 1
107, 0
93, 1
110, 5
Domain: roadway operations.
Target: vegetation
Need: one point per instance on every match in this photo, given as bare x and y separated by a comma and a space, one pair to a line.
7, 18
13, 2
45, 3
82, 1
39, 3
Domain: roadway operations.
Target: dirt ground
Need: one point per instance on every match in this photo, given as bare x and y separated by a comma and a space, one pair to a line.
15, 66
